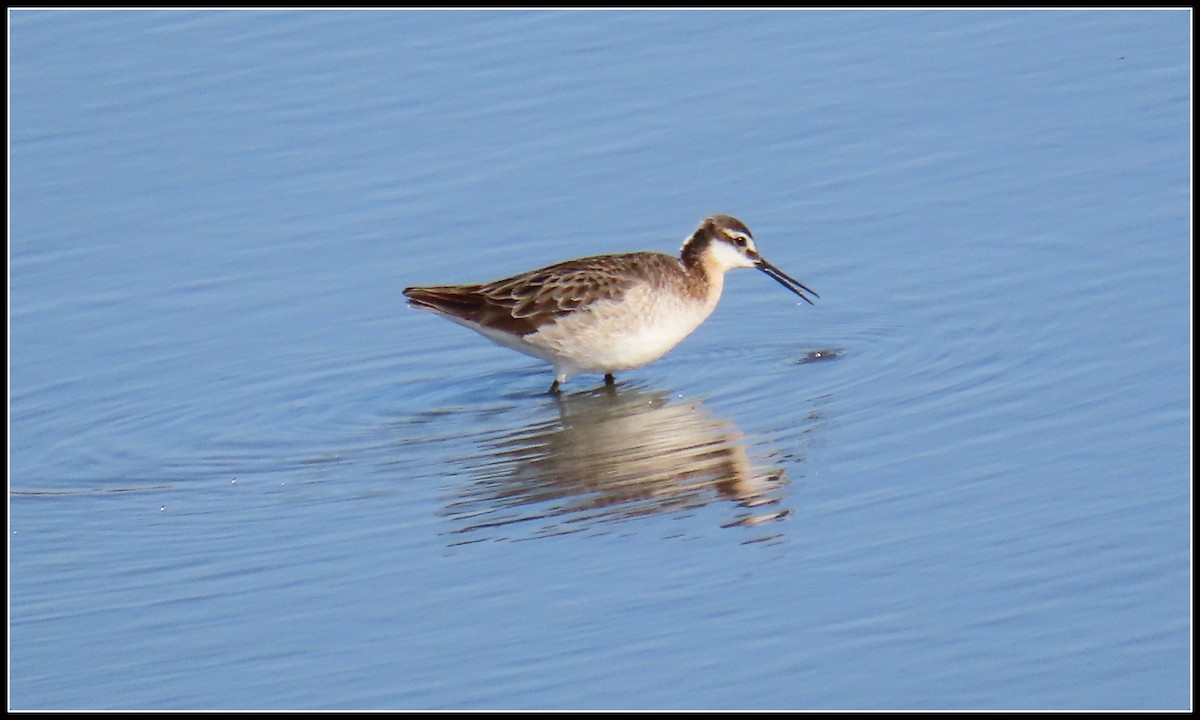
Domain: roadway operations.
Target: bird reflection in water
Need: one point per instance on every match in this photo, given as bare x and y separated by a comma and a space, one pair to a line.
613, 455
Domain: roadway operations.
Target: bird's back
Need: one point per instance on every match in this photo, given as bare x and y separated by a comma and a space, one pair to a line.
522, 303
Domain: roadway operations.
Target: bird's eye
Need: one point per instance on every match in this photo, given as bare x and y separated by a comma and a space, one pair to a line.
741, 241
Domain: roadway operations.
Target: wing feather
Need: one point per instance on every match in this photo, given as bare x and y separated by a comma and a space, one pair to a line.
521, 303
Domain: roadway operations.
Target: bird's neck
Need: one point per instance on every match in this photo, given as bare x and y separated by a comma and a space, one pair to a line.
705, 275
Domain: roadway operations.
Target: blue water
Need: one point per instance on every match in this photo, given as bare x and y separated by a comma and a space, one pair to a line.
243, 475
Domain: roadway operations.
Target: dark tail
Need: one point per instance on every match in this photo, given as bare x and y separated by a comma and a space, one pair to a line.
453, 300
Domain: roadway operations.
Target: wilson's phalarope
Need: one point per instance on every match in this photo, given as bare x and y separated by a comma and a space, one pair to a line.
606, 313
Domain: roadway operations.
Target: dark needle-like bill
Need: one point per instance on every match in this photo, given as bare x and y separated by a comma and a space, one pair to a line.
785, 280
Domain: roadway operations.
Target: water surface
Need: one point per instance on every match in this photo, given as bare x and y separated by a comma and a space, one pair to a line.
243, 475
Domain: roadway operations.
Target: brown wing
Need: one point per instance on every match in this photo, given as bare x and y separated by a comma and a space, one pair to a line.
519, 304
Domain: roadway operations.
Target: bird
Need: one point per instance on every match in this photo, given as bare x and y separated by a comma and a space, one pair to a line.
606, 313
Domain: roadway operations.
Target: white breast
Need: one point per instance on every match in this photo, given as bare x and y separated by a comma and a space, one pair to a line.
611, 336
